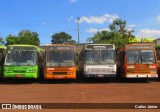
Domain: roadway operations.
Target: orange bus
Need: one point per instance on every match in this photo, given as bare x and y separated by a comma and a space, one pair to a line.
137, 61
158, 58
60, 61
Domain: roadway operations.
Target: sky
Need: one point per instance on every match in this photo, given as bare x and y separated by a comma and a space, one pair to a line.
47, 17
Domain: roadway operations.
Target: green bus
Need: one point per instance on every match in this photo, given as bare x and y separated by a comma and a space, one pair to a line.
23, 61
2, 54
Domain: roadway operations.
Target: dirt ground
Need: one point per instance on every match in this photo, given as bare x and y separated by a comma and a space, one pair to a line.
81, 91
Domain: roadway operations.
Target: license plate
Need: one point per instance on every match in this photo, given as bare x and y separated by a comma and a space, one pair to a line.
60, 77
100, 76
19, 76
153, 75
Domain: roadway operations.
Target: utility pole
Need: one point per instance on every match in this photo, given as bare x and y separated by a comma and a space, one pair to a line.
78, 21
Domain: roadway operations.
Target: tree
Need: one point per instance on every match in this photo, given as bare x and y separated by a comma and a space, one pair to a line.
28, 37
10, 40
1, 41
118, 34
107, 38
119, 26
24, 37
62, 37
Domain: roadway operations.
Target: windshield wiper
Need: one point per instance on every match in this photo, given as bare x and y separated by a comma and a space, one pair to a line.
98, 53
142, 60
135, 62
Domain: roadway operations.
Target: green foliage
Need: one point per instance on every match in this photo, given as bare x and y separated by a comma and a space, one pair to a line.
62, 37
28, 37
158, 47
1, 41
24, 37
118, 34
10, 40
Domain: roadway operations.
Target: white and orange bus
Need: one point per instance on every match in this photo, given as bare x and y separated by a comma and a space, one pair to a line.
137, 61
60, 61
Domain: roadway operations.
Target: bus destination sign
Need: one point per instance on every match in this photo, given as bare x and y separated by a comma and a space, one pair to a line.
139, 47
60, 48
99, 47
21, 48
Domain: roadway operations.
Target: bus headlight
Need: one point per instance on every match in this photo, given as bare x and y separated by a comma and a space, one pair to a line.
87, 72
153, 71
50, 73
152, 66
130, 71
113, 71
70, 68
8, 70
70, 73
32, 70
50, 68
130, 66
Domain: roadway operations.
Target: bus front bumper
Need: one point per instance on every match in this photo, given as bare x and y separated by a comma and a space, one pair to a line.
48, 76
142, 76
99, 75
20, 75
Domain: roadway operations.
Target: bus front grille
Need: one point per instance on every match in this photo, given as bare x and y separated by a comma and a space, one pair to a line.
100, 70
59, 73
19, 71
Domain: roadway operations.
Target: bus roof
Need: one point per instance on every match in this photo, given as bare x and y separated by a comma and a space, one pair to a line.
3, 47
25, 45
59, 45
99, 44
140, 45
136, 46
99, 47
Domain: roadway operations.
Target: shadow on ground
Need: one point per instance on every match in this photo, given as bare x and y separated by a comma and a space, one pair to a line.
78, 80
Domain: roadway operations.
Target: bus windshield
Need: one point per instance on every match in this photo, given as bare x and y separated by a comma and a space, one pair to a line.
60, 58
100, 57
140, 57
20, 57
